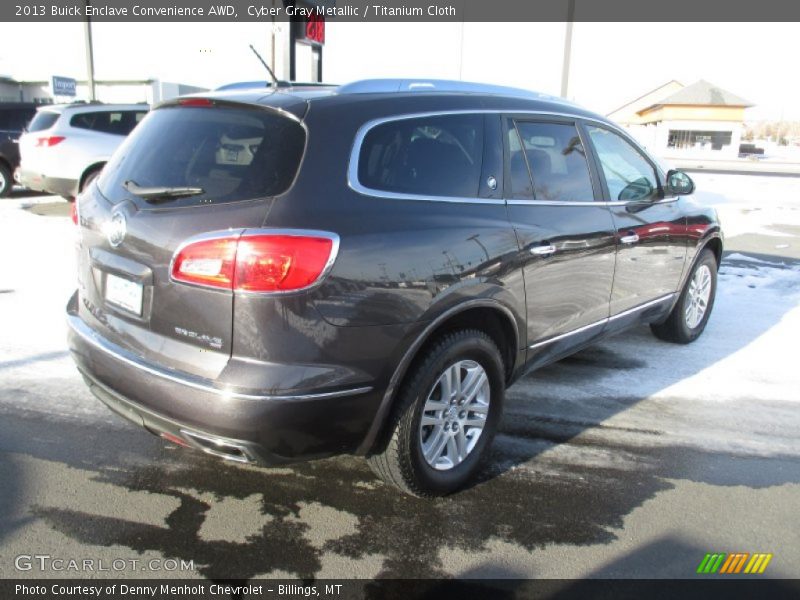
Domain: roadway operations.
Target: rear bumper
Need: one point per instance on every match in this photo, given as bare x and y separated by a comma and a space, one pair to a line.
42, 183
243, 425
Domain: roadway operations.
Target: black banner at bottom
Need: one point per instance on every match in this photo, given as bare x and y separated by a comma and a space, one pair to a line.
407, 589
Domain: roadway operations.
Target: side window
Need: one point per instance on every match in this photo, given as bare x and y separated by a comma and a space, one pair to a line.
114, 122
428, 156
628, 175
554, 156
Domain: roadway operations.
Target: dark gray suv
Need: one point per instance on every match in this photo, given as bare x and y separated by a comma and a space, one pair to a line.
275, 276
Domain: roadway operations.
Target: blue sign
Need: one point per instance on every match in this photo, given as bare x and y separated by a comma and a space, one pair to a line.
63, 86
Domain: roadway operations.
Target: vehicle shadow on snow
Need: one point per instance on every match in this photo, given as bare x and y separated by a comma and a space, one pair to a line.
312, 511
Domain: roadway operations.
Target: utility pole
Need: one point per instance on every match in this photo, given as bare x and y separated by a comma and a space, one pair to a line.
87, 31
567, 49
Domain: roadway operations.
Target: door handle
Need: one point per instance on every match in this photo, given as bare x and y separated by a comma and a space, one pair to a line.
543, 250
631, 238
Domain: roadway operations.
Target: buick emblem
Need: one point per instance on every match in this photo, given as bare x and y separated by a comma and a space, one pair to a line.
115, 229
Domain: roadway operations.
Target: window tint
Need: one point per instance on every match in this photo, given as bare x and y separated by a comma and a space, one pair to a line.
555, 158
429, 156
44, 119
232, 154
628, 175
116, 122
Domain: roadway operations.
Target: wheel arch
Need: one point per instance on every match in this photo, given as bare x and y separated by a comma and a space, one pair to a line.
92, 168
487, 315
714, 244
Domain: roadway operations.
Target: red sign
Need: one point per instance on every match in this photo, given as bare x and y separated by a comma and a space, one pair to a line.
315, 29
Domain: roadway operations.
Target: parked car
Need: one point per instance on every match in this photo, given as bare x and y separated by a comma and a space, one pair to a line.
67, 145
284, 276
14, 116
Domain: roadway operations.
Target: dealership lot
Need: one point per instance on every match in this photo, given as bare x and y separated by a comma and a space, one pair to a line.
633, 458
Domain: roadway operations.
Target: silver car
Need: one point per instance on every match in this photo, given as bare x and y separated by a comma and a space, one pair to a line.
66, 146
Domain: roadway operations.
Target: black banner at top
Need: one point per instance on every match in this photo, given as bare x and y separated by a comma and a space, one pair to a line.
400, 11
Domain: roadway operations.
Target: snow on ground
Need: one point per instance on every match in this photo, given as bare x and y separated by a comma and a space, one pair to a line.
37, 277
751, 204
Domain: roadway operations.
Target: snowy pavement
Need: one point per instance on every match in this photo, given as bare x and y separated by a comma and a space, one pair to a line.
633, 458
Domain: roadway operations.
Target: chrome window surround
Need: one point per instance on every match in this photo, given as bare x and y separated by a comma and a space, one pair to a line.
240, 234
355, 152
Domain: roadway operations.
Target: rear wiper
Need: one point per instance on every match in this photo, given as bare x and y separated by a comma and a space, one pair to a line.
161, 193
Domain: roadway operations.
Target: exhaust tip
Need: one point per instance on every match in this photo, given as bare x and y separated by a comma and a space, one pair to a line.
219, 447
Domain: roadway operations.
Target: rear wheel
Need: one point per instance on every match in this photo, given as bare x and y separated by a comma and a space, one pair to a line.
690, 314
6, 181
446, 416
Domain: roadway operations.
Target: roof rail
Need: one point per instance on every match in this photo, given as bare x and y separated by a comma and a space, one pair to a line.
250, 85
384, 86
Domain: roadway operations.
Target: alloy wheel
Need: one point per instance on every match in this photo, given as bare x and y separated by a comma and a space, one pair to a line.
454, 415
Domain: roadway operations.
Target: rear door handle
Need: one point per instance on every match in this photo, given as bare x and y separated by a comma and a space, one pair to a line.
631, 238
543, 250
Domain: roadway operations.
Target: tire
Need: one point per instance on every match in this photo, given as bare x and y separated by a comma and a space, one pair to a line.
6, 181
400, 460
684, 326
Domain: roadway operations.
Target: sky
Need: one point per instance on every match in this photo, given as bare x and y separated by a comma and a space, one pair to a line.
612, 63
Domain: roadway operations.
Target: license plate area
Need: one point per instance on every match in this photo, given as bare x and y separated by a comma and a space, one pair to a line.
124, 293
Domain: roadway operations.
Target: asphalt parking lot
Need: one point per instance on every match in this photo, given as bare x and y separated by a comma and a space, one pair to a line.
633, 458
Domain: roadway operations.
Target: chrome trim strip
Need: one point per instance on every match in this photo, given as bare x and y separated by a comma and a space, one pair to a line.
624, 313
77, 325
357, 186
568, 334
644, 306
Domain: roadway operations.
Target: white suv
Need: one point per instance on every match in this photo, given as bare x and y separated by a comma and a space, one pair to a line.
66, 146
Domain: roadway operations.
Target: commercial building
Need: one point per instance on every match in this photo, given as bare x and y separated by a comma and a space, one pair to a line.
676, 121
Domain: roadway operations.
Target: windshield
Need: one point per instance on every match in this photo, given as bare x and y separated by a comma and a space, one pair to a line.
229, 153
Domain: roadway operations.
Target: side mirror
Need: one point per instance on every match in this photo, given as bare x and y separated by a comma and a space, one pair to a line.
679, 183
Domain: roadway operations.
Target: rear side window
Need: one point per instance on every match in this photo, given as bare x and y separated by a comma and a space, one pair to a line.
548, 162
116, 123
628, 175
426, 156
231, 153
44, 119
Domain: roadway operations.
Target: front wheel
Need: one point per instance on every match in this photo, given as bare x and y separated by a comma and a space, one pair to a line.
6, 181
690, 314
447, 413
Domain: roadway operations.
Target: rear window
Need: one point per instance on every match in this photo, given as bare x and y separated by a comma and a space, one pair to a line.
119, 122
44, 119
231, 153
427, 156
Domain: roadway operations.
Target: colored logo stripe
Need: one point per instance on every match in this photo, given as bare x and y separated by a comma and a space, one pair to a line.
733, 563
758, 564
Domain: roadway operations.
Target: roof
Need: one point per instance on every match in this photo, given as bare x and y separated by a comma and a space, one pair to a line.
654, 92
295, 98
703, 93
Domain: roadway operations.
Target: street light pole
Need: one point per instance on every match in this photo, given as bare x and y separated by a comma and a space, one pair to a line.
567, 49
87, 31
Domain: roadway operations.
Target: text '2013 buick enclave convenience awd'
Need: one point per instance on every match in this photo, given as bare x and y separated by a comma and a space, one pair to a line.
276, 276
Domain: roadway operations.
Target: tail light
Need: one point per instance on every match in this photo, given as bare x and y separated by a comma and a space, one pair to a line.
73, 211
49, 141
262, 262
